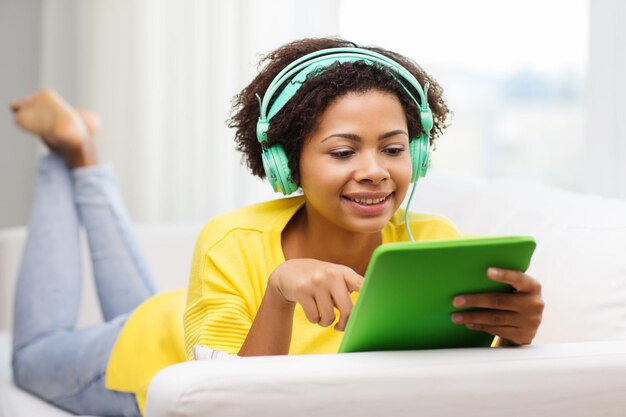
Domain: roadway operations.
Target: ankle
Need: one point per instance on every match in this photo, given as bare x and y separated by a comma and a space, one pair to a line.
84, 156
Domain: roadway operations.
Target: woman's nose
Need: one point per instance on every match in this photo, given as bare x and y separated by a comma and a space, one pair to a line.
370, 169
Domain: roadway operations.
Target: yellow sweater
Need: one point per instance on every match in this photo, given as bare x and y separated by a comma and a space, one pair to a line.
151, 340
234, 256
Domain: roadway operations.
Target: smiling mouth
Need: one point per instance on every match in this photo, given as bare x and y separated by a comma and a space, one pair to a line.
368, 201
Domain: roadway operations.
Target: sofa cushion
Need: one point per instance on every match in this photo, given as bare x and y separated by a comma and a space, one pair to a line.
580, 246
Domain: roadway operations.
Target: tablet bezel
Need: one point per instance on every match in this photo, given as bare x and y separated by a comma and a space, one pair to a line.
407, 313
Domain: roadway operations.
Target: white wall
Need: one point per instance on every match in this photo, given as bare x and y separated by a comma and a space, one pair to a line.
19, 74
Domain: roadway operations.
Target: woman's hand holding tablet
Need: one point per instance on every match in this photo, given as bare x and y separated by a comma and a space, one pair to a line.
513, 317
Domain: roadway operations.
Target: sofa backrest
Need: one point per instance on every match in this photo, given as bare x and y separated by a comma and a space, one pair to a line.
168, 249
581, 246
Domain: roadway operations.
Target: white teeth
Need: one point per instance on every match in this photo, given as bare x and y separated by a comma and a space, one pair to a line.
368, 201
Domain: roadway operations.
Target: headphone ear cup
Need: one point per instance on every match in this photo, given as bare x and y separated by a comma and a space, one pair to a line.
276, 166
420, 156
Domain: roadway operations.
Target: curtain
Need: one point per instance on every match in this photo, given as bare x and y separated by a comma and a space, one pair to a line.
161, 74
606, 101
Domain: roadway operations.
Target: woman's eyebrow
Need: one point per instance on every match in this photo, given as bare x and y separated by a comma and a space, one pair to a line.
357, 138
393, 133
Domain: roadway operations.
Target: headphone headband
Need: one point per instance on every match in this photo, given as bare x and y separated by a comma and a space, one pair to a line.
296, 73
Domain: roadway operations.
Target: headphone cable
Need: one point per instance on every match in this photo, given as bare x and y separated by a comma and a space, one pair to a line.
406, 212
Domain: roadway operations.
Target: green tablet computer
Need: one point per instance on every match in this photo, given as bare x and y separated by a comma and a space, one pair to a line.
405, 302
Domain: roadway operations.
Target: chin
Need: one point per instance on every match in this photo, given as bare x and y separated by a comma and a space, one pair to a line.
368, 226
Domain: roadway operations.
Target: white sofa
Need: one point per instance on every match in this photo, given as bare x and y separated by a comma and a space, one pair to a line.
576, 367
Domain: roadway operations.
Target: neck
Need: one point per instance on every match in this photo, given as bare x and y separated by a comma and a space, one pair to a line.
311, 236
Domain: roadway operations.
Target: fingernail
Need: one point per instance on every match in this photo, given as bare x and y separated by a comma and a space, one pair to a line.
457, 317
493, 272
458, 301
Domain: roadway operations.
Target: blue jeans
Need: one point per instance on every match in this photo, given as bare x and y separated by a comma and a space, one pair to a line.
51, 358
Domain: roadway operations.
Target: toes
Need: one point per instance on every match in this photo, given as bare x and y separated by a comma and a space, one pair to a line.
16, 105
24, 120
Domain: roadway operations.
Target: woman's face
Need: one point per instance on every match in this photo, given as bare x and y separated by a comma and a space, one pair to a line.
355, 167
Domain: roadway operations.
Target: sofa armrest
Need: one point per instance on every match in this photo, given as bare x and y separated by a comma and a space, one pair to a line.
578, 379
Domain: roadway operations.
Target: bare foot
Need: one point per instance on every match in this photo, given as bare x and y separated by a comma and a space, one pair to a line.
91, 120
65, 130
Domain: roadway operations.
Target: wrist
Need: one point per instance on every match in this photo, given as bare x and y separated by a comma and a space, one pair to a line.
275, 296
270, 333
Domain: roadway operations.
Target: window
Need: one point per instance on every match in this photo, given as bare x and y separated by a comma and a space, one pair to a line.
513, 74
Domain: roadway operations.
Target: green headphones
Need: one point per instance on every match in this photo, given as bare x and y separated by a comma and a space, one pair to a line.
275, 161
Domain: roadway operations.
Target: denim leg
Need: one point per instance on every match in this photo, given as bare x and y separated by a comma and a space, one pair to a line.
122, 278
68, 369
48, 288
50, 358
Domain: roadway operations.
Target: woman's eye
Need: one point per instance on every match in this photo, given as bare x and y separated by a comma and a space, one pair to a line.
394, 151
341, 154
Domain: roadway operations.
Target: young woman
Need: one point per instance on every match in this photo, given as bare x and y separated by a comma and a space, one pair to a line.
271, 278
274, 278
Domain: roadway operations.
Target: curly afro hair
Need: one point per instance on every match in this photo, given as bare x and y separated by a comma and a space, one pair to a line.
297, 119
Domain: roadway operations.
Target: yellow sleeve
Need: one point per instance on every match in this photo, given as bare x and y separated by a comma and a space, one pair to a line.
226, 287
218, 318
